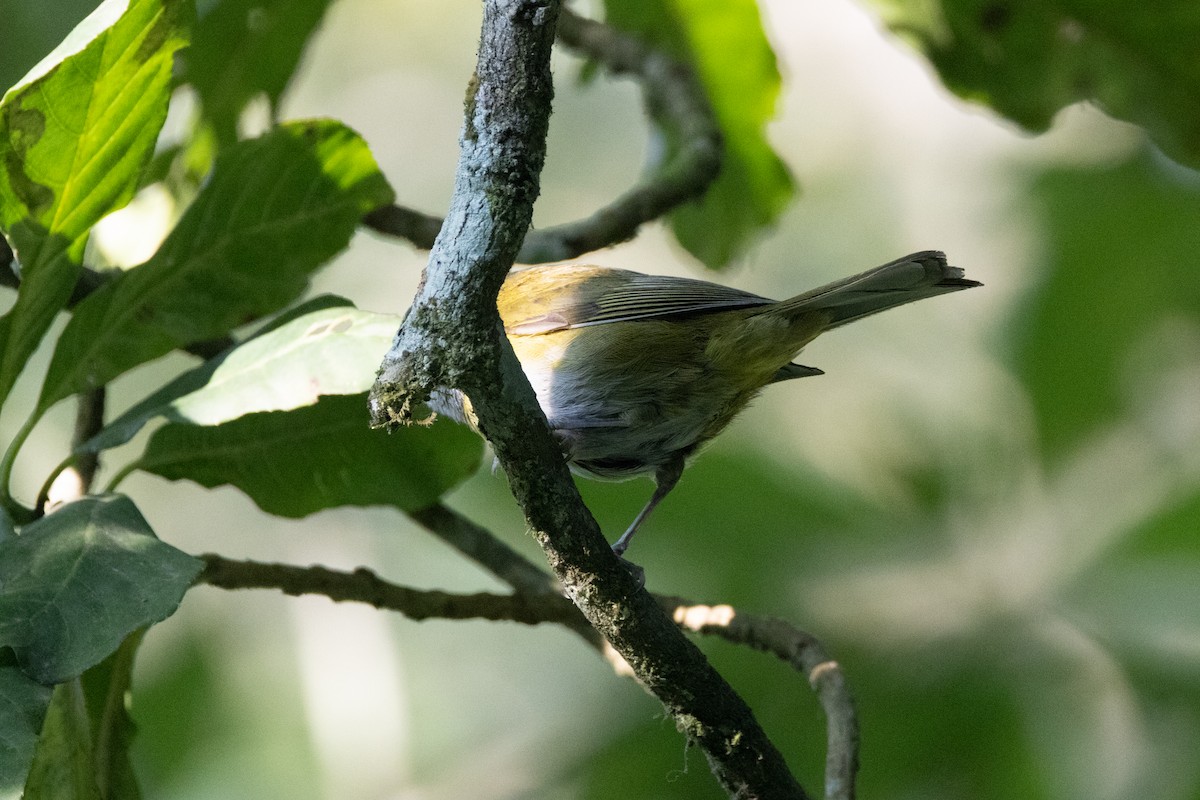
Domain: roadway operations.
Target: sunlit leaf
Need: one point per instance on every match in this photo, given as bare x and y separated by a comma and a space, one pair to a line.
293, 463
75, 583
1028, 60
332, 350
275, 210
72, 144
723, 41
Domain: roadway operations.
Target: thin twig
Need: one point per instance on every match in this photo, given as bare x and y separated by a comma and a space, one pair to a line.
364, 586
676, 101
804, 653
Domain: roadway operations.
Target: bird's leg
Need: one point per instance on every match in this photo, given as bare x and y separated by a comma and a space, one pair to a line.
666, 477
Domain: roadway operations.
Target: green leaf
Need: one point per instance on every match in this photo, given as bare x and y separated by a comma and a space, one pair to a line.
723, 41
1028, 60
275, 210
75, 583
244, 48
23, 704
62, 766
106, 689
1119, 259
293, 463
72, 144
332, 349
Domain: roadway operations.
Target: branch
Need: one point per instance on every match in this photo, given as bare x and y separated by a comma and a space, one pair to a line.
676, 101
805, 654
801, 650
452, 337
673, 98
794, 647
364, 586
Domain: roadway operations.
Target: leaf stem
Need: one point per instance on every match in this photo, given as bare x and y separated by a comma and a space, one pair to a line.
114, 727
19, 513
44, 493
121, 475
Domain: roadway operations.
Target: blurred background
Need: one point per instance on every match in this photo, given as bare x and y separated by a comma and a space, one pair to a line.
988, 509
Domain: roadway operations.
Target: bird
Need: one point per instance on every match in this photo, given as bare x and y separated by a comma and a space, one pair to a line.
636, 373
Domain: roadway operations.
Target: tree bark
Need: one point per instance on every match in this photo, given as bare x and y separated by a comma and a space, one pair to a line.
453, 337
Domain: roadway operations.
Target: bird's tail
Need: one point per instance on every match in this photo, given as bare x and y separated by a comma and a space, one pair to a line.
904, 280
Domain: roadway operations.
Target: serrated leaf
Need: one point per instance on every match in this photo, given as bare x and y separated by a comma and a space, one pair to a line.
723, 41
23, 704
1029, 60
73, 142
244, 48
1118, 258
275, 210
293, 463
75, 583
327, 351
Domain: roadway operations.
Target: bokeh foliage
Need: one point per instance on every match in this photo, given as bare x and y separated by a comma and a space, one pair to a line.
1029, 60
1067, 672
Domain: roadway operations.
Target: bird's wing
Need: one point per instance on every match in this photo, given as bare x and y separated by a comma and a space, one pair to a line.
600, 296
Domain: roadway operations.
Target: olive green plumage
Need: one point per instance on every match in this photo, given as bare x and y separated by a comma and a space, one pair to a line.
635, 372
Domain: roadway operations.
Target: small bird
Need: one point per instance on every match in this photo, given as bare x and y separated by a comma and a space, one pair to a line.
636, 372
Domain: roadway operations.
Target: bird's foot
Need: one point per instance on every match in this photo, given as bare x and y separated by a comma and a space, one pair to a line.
639, 574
